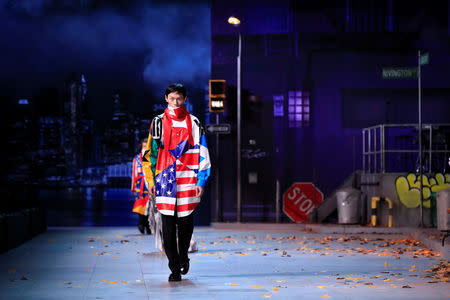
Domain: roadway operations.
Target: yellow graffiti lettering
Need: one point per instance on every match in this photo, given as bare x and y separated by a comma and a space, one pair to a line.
408, 188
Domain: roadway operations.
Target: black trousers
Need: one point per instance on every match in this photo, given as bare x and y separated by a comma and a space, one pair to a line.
177, 251
143, 220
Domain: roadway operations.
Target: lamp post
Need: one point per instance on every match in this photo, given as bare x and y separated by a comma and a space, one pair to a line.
235, 22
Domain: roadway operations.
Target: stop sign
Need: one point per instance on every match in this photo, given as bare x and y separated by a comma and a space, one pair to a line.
300, 199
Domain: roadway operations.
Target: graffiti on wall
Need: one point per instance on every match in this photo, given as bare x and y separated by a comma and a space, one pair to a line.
408, 188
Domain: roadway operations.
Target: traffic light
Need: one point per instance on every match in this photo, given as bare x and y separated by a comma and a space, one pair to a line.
217, 96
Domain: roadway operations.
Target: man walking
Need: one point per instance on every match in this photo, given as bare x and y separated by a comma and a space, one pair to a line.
176, 165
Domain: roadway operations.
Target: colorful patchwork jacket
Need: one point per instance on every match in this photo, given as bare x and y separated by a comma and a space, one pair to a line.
138, 187
176, 173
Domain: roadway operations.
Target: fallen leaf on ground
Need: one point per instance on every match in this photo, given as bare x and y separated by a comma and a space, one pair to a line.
387, 280
386, 264
325, 296
267, 296
113, 281
232, 284
275, 289
320, 286
257, 287
124, 281
406, 287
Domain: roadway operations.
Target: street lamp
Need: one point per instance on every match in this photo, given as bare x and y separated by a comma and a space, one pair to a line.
235, 22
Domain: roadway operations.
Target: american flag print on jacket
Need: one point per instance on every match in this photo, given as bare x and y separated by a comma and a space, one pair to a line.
176, 172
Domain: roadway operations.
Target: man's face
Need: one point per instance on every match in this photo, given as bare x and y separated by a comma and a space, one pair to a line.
144, 145
175, 99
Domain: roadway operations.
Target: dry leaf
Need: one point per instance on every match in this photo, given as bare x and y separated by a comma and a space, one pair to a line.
257, 287
90, 269
114, 257
113, 281
267, 296
325, 296
232, 284
386, 264
275, 289
388, 280
124, 281
118, 236
321, 286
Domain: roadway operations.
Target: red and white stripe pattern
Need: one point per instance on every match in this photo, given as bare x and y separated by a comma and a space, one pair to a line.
186, 173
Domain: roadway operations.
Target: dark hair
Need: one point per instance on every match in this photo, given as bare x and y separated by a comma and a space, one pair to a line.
139, 146
176, 88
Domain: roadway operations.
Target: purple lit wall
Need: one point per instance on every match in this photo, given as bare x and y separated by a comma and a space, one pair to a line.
285, 49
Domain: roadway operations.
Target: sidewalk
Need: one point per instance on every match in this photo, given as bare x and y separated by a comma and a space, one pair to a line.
234, 261
430, 237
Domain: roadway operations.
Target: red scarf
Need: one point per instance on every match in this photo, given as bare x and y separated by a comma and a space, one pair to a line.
177, 114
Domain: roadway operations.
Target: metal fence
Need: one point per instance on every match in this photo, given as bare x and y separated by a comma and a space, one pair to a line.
395, 148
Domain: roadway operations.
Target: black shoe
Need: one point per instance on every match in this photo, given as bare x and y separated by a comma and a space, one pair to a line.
147, 230
141, 228
185, 268
175, 277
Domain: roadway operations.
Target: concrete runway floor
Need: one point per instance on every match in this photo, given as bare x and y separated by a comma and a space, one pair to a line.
120, 263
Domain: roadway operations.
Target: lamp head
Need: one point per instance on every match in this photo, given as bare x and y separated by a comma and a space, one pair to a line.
234, 21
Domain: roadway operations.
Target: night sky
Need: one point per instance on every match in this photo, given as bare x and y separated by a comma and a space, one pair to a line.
137, 48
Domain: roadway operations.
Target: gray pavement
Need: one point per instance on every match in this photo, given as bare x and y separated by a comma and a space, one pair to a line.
234, 261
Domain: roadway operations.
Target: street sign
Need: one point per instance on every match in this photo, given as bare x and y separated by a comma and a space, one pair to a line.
300, 199
424, 59
218, 128
391, 73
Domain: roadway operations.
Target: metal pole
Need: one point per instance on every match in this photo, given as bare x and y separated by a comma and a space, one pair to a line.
383, 150
430, 152
420, 138
364, 150
277, 204
370, 151
239, 203
375, 149
218, 218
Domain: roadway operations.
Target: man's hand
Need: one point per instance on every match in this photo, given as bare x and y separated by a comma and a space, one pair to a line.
198, 191
152, 191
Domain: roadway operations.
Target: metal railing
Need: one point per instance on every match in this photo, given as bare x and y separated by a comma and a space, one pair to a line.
395, 148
